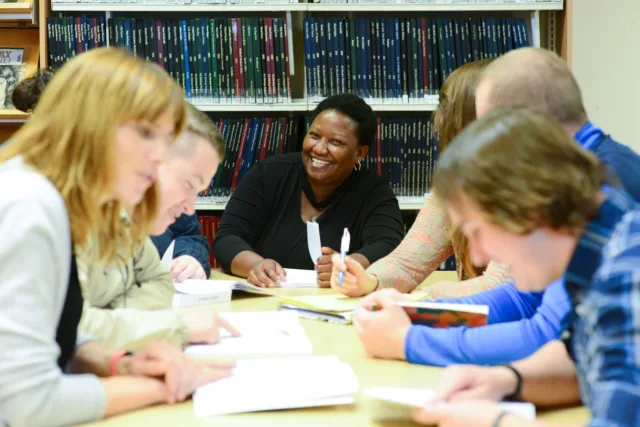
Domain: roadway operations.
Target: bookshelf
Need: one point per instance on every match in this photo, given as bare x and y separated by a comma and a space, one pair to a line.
300, 96
22, 10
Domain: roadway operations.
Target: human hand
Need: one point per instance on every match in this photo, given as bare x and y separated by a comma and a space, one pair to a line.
356, 281
470, 382
324, 266
180, 375
383, 332
266, 274
461, 414
370, 301
204, 326
186, 267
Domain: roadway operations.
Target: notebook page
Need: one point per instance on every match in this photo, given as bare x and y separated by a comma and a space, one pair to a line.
420, 397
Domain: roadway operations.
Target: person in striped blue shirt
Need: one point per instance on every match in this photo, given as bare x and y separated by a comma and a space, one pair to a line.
526, 195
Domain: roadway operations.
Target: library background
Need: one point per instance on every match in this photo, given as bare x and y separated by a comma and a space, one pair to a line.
258, 68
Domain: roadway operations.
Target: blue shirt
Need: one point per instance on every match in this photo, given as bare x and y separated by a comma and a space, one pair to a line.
603, 328
520, 323
187, 233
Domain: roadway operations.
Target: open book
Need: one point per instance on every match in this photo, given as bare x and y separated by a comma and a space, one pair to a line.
264, 334
203, 292
282, 383
445, 315
334, 308
417, 398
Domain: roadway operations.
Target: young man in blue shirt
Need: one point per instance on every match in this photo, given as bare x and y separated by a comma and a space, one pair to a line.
519, 323
525, 195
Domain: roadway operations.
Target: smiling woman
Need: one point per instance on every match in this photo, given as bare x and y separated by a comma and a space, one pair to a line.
263, 227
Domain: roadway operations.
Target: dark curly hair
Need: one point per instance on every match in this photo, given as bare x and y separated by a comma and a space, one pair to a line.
26, 94
356, 109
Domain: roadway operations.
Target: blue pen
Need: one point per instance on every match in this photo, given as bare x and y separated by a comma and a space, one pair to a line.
344, 248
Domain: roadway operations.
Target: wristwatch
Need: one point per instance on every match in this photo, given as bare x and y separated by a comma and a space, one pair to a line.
516, 396
113, 361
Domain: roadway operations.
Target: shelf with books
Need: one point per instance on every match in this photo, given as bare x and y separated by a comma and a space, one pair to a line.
163, 7
294, 106
414, 106
431, 7
21, 10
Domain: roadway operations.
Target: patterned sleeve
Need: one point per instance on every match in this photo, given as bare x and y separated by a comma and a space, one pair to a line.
423, 249
495, 275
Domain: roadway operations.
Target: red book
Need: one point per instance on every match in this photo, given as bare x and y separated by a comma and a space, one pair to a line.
265, 139
95, 33
283, 134
160, 47
445, 315
271, 67
239, 158
79, 34
423, 35
240, 59
236, 57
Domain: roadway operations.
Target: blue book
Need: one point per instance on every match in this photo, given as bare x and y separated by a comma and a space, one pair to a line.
324, 77
342, 53
525, 34
398, 56
331, 63
307, 56
249, 147
184, 55
384, 79
362, 73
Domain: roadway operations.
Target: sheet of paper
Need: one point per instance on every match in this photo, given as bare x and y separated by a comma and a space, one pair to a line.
416, 397
332, 303
167, 257
203, 287
280, 383
300, 278
265, 333
313, 241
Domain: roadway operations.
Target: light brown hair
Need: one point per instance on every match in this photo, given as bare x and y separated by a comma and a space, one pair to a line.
536, 78
522, 170
70, 137
456, 109
200, 124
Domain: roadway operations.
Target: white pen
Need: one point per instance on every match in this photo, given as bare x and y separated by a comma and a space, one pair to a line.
344, 248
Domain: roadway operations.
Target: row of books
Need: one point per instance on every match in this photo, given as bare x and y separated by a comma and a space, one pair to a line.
404, 152
399, 58
209, 225
214, 60
231, 2
248, 140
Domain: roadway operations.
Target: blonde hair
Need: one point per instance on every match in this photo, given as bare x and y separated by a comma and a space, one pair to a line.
198, 123
537, 78
70, 139
522, 170
456, 110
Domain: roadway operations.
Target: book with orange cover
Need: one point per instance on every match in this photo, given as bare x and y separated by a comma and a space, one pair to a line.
445, 315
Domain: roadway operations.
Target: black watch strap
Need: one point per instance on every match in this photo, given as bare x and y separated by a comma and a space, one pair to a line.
516, 396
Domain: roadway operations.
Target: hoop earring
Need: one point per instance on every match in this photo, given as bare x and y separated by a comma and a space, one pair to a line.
358, 165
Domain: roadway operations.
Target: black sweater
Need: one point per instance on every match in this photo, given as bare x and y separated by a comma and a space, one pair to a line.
263, 216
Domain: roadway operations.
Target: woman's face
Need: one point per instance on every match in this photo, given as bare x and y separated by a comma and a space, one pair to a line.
331, 148
139, 149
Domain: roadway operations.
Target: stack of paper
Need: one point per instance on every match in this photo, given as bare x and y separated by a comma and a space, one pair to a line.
283, 383
415, 397
268, 333
335, 308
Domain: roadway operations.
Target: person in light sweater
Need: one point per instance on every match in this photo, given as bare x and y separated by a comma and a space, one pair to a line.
91, 149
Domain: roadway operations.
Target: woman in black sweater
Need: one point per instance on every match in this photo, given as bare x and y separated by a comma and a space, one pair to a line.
263, 228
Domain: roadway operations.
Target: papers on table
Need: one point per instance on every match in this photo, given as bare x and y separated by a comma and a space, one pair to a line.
416, 397
268, 333
300, 278
282, 383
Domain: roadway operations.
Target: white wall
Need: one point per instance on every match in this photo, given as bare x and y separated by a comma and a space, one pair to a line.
606, 62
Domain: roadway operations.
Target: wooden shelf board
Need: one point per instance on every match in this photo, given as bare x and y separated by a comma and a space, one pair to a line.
428, 7
13, 116
20, 11
412, 204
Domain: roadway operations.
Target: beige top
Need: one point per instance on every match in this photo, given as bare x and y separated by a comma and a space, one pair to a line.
128, 302
423, 249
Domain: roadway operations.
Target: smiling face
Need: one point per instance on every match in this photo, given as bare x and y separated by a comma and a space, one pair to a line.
185, 174
139, 150
535, 259
331, 148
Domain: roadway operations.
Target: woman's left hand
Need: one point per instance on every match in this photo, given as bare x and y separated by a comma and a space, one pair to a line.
324, 267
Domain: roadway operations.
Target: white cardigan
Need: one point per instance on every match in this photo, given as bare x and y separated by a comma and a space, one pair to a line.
34, 273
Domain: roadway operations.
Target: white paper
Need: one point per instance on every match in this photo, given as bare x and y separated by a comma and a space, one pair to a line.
281, 383
167, 257
265, 333
313, 241
300, 278
417, 397
203, 287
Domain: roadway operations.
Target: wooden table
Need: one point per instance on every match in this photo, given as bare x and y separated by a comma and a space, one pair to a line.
327, 339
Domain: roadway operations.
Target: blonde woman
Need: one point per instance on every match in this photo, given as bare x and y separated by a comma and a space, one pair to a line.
91, 148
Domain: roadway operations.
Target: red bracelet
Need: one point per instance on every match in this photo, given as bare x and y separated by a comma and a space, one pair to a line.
113, 362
